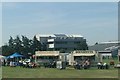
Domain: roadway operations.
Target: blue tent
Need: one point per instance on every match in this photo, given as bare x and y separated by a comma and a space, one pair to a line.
15, 55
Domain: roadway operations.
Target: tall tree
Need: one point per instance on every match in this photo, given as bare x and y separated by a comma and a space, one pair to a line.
36, 45
26, 45
11, 42
6, 50
83, 45
11, 45
17, 44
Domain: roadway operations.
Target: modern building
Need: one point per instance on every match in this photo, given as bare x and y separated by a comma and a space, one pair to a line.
63, 42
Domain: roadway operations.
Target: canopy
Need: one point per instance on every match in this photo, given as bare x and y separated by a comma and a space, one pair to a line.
47, 53
2, 57
15, 55
92, 54
106, 54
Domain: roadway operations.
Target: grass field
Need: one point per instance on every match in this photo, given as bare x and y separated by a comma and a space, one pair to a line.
17, 72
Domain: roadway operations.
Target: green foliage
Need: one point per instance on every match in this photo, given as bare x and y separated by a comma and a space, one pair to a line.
36, 45
26, 45
21, 45
82, 46
6, 50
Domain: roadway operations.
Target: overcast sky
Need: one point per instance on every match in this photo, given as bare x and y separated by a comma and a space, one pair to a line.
96, 21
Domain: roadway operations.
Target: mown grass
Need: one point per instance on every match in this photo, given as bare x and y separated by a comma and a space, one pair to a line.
19, 72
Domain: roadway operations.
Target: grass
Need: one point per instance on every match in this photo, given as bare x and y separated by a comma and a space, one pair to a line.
17, 72
108, 60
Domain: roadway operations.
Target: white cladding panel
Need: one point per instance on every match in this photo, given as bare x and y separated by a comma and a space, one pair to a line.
119, 52
51, 45
50, 40
106, 54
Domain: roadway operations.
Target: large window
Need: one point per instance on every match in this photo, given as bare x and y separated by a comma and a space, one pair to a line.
77, 42
62, 42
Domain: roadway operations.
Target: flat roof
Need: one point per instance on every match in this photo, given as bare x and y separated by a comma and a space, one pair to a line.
107, 51
84, 53
91, 54
47, 53
58, 35
115, 42
45, 35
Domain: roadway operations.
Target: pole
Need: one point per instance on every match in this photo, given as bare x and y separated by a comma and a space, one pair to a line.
101, 57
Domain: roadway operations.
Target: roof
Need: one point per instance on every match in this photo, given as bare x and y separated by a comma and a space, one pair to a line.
57, 35
47, 53
109, 42
74, 35
106, 54
91, 54
84, 53
15, 55
107, 51
45, 35
99, 47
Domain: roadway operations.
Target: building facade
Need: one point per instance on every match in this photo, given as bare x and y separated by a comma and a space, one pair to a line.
62, 42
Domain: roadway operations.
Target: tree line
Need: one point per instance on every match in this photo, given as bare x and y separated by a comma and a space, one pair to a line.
24, 45
21, 45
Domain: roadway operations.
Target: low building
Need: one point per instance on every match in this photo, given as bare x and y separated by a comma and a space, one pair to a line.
81, 55
104, 54
70, 58
106, 46
50, 56
47, 55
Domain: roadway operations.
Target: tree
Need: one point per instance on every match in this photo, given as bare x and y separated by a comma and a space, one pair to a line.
11, 42
26, 45
36, 45
6, 50
23, 45
17, 44
83, 45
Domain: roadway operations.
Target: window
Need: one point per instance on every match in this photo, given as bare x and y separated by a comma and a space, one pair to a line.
77, 42
62, 42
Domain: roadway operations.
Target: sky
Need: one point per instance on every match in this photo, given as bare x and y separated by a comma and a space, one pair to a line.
96, 21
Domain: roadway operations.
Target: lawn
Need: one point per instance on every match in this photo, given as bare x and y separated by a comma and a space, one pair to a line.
19, 72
